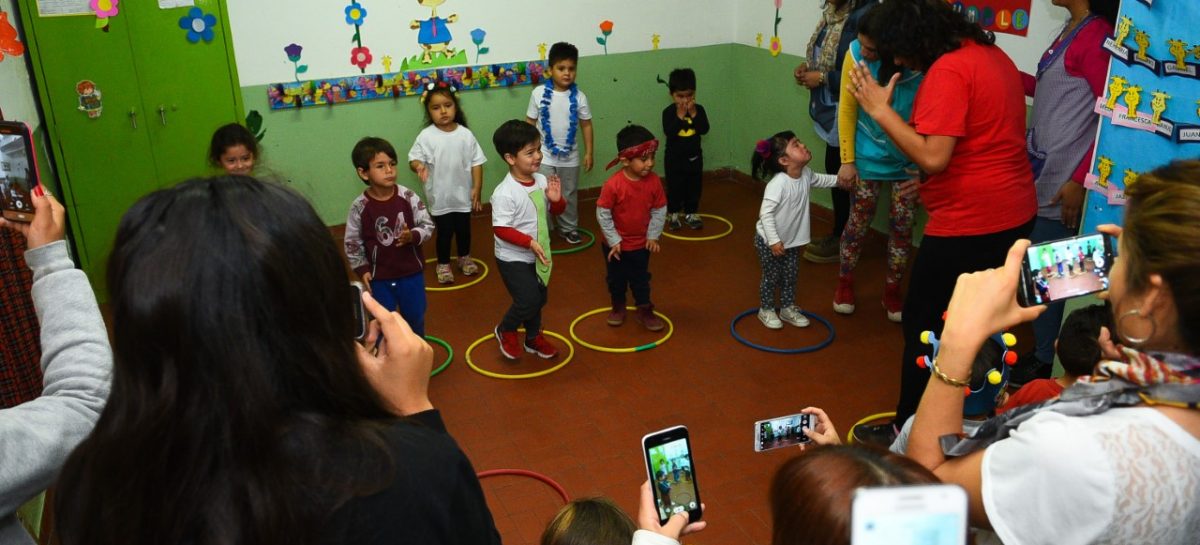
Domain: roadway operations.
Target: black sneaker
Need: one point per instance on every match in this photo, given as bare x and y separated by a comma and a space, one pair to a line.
881, 435
1027, 369
572, 237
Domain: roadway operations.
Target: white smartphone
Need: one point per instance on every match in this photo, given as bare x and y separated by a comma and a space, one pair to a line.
672, 473
909, 515
782, 431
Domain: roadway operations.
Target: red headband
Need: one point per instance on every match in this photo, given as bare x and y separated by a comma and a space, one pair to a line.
633, 152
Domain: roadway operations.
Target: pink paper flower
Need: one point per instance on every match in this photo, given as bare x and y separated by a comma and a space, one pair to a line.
104, 8
361, 57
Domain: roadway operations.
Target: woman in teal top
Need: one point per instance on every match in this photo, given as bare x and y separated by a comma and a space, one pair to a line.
869, 161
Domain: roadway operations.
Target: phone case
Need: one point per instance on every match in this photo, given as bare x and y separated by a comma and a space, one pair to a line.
673, 482
15, 196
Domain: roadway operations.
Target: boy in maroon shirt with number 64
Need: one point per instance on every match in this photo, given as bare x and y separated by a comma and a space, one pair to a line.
632, 211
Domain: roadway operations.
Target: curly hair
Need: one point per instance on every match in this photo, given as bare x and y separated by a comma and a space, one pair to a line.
921, 31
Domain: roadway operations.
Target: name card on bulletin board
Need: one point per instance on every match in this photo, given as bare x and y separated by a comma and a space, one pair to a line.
168, 4
58, 8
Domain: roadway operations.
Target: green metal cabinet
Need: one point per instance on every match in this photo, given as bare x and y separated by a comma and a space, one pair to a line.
162, 98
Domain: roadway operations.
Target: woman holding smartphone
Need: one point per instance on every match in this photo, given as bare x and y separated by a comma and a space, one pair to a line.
242, 410
1116, 459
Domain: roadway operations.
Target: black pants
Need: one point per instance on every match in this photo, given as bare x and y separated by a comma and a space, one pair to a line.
841, 197
935, 271
449, 226
683, 188
631, 272
528, 295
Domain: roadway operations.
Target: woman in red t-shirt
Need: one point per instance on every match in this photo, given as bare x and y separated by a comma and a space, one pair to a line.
968, 138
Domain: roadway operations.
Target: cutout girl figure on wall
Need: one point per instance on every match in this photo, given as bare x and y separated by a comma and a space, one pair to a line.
433, 33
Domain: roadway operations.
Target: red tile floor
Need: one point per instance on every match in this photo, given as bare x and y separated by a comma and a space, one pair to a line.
582, 425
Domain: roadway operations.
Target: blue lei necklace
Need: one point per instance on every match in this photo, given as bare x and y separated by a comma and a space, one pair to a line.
572, 120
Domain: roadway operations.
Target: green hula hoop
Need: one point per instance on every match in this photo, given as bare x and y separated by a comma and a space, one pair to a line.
644, 347
449, 354
578, 248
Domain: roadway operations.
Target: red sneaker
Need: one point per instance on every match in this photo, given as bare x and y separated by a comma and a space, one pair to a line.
843, 298
510, 344
616, 316
893, 302
538, 344
645, 316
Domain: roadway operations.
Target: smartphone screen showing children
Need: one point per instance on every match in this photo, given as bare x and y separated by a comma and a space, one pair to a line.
782, 432
14, 173
674, 487
1066, 268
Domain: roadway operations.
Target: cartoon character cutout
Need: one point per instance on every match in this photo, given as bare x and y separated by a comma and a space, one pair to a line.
1132, 98
1124, 25
1130, 177
542, 51
1158, 105
1104, 167
9, 44
1116, 87
433, 34
89, 98
1143, 42
1178, 49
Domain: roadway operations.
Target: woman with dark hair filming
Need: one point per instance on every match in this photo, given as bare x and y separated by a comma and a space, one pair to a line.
968, 138
1116, 459
242, 410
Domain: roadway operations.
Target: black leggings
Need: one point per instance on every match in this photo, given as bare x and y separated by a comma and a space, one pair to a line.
935, 271
451, 225
841, 197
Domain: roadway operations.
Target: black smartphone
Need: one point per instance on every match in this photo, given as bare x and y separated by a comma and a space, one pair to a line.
18, 171
783, 431
1062, 269
360, 313
672, 473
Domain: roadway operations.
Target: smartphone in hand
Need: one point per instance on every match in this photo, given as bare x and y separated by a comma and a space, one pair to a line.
360, 313
909, 515
18, 171
1062, 269
672, 473
782, 431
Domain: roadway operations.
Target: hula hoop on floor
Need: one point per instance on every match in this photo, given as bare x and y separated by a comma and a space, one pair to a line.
801, 350
449, 354
868, 418
577, 247
648, 346
535, 374
478, 278
562, 492
710, 237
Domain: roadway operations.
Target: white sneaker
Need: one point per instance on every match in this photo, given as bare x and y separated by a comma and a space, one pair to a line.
769, 318
792, 315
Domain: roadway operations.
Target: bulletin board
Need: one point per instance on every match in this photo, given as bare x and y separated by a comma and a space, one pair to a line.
1149, 113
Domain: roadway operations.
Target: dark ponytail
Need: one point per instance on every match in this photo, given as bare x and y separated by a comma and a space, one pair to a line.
765, 161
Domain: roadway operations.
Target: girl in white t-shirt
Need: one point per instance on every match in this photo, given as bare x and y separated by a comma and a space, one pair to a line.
449, 162
782, 228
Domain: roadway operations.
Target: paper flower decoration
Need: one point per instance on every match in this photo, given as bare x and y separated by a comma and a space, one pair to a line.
355, 14
606, 27
361, 57
776, 46
199, 25
104, 8
293, 54
477, 37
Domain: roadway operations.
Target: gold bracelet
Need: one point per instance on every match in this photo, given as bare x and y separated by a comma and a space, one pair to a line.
942, 376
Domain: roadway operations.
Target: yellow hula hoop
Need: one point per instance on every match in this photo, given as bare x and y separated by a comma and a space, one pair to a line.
478, 278
710, 237
542, 373
670, 330
869, 418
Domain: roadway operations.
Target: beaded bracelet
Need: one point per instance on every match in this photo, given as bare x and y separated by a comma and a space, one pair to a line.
944, 378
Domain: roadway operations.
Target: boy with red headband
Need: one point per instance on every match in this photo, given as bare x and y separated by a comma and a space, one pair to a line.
632, 211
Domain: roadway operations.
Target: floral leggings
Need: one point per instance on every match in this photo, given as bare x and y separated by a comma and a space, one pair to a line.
900, 225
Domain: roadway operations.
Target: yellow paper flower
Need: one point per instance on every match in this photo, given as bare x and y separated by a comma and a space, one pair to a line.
776, 46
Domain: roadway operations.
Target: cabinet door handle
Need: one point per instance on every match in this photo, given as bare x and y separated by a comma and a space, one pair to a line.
133, 118
162, 114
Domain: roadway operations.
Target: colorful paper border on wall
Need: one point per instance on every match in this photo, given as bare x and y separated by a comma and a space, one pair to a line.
328, 92
1005, 16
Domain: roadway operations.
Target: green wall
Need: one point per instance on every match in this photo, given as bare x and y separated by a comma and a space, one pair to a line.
747, 93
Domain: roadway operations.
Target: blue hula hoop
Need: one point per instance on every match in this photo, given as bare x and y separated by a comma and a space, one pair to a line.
802, 350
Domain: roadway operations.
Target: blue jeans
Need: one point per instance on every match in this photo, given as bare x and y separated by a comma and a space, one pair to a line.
405, 295
1045, 327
